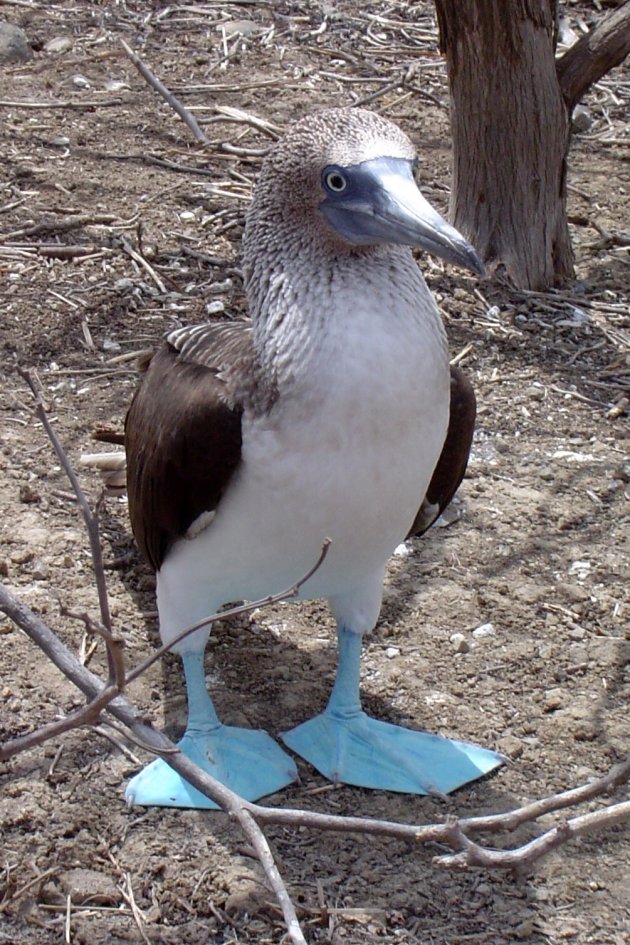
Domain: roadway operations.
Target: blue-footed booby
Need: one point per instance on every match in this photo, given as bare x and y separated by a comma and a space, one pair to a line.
323, 416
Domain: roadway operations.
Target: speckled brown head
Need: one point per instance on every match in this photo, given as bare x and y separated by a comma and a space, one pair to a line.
343, 178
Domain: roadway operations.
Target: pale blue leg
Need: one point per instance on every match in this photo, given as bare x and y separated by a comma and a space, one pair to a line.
347, 746
247, 761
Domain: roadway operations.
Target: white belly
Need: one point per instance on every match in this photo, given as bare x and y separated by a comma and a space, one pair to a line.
347, 455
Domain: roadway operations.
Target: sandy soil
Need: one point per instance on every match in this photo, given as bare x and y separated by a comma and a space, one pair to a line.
538, 548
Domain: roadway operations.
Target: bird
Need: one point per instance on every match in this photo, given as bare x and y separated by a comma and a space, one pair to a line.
322, 416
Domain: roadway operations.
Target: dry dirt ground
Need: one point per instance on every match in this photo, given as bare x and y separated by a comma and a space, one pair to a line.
539, 550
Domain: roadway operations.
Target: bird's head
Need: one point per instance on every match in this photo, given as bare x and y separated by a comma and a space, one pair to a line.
348, 176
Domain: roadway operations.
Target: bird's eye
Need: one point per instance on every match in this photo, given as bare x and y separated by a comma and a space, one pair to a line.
335, 181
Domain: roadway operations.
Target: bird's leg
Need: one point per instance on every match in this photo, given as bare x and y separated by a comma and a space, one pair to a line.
348, 746
345, 698
248, 761
202, 715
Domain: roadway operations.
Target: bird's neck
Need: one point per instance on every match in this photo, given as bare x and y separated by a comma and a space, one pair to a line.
308, 306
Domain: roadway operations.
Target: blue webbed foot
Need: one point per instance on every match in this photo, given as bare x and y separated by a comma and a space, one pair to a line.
349, 747
247, 761
356, 749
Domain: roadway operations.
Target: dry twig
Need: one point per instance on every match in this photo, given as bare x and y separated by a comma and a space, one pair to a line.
168, 97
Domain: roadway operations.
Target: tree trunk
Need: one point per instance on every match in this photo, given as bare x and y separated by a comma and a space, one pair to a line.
510, 128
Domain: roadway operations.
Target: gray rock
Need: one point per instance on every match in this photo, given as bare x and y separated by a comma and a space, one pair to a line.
581, 119
14, 46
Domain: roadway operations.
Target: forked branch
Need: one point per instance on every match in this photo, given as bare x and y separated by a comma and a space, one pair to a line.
595, 54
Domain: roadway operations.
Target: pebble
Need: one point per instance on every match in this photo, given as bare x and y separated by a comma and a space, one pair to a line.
484, 630
218, 288
511, 746
554, 698
58, 44
581, 119
14, 45
85, 885
391, 652
460, 643
213, 308
28, 494
572, 592
622, 473
41, 571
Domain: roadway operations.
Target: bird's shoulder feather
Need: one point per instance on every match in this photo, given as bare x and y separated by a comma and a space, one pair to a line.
183, 431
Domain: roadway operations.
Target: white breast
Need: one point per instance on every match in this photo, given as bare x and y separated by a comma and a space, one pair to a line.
346, 453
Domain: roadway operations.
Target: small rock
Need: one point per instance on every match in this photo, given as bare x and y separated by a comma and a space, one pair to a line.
218, 288
554, 698
529, 593
89, 886
28, 494
23, 556
622, 473
248, 898
213, 308
484, 630
116, 85
41, 571
581, 119
124, 284
536, 392
511, 746
58, 44
241, 27
460, 643
573, 592
525, 929
14, 45
110, 346
80, 82
585, 731
391, 652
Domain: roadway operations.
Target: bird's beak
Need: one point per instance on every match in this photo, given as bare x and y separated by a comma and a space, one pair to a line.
382, 204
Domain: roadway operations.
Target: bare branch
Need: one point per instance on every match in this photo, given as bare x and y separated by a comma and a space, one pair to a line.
239, 810
249, 816
595, 54
525, 856
233, 612
86, 715
91, 522
168, 97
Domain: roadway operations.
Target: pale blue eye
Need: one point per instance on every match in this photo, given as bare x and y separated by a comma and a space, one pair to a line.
334, 180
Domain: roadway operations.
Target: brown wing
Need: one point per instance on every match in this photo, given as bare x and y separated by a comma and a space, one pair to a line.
453, 460
183, 433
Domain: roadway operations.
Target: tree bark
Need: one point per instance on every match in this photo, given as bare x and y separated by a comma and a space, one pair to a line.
510, 127
595, 54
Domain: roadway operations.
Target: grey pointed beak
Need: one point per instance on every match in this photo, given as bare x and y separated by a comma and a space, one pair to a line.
382, 204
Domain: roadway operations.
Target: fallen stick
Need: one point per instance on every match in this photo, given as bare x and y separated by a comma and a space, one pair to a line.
168, 97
